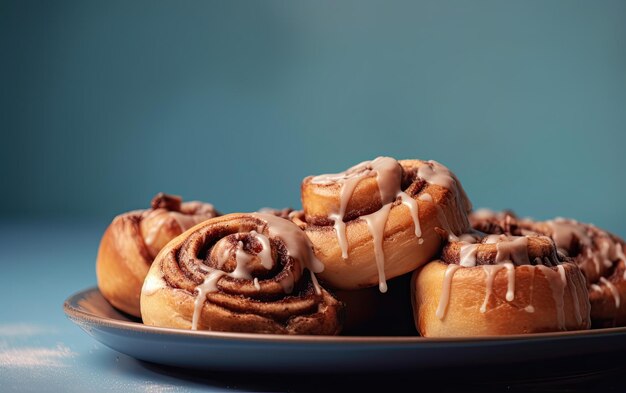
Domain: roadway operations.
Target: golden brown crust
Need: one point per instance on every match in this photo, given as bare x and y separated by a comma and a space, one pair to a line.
282, 299
122, 263
133, 239
598, 253
534, 286
440, 210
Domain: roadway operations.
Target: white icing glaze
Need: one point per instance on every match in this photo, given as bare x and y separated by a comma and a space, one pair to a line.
266, 252
316, 285
557, 286
388, 177
256, 284
209, 285
445, 290
296, 242
426, 197
376, 224
414, 210
490, 275
242, 269
468, 255
510, 291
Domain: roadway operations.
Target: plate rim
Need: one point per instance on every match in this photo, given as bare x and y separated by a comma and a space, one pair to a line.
80, 316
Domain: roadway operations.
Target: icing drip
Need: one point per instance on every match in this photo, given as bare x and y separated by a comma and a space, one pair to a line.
347, 188
426, 197
388, 176
445, 290
510, 291
242, 258
376, 224
613, 290
316, 285
557, 286
414, 209
490, 275
468, 255
256, 284
209, 285
266, 252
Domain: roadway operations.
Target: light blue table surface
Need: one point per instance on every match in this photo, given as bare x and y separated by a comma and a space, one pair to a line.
41, 350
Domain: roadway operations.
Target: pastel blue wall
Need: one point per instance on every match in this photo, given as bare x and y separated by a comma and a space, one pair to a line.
104, 103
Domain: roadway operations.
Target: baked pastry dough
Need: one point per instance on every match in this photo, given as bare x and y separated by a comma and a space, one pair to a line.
598, 253
240, 273
498, 285
380, 219
133, 239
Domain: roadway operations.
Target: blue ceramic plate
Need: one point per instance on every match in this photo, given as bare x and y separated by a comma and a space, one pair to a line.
267, 353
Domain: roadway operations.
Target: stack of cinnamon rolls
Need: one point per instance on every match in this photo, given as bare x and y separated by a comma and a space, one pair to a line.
399, 235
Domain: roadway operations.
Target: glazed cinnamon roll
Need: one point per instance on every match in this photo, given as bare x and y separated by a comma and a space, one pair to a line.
240, 273
598, 253
378, 219
498, 285
133, 239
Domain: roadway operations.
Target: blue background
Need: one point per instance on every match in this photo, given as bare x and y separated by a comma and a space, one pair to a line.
105, 103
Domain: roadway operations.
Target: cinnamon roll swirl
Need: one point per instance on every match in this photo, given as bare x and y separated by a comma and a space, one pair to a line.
240, 273
377, 220
598, 253
133, 239
497, 285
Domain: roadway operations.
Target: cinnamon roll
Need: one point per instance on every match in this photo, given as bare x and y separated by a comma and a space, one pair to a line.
240, 273
133, 239
377, 220
598, 253
498, 285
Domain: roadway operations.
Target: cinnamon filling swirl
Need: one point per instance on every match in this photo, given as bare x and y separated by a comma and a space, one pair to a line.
247, 266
